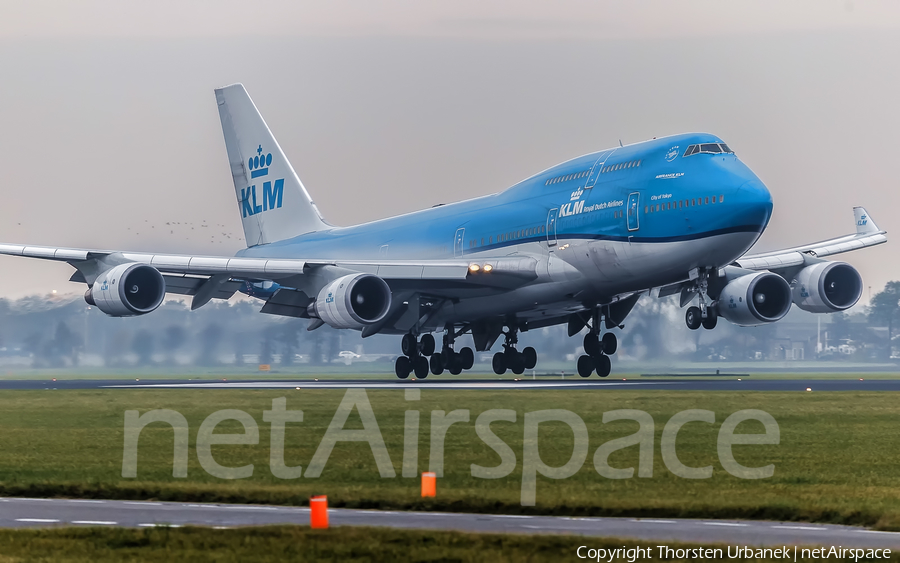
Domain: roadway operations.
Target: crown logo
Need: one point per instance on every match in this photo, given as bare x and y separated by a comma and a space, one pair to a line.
259, 164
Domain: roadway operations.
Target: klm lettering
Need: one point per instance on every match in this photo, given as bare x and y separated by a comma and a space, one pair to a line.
271, 198
571, 208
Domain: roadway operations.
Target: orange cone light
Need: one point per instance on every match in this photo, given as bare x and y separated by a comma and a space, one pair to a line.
428, 484
318, 515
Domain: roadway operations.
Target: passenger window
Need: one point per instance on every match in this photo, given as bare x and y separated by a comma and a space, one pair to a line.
645, 209
639, 163
721, 198
707, 200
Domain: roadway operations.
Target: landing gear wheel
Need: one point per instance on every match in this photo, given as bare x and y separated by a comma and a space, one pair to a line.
456, 364
402, 367
609, 344
517, 363
530, 355
437, 364
585, 366
421, 367
408, 345
710, 321
591, 344
604, 366
427, 345
499, 363
692, 318
467, 357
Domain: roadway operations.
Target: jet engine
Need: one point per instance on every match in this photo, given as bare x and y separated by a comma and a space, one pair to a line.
127, 290
827, 287
755, 299
353, 301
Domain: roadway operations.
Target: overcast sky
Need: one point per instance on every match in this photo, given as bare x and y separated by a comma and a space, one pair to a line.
109, 127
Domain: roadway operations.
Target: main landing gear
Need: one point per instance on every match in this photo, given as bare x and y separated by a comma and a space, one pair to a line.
512, 359
416, 355
597, 353
705, 315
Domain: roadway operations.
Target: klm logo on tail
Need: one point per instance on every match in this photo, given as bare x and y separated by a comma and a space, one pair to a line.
271, 195
862, 221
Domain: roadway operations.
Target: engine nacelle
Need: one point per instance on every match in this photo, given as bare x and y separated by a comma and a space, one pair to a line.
353, 301
827, 287
755, 299
127, 290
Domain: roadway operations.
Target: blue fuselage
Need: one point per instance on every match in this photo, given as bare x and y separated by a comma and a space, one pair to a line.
627, 218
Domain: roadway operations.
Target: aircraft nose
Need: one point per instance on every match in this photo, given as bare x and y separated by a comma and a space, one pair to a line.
755, 203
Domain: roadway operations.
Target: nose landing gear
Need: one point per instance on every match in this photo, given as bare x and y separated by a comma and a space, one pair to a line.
705, 315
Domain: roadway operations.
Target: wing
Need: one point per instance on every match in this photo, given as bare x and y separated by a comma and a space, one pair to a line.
222, 276
867, 234
787, 261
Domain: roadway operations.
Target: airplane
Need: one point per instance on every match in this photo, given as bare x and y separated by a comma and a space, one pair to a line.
578, 243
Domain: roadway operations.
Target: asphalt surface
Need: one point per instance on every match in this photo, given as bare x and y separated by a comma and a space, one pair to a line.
25, 512
570, 382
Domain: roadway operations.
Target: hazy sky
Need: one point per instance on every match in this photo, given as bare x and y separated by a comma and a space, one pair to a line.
109, 127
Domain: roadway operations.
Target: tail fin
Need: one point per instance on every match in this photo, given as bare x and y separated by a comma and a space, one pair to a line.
273, 203
864, 224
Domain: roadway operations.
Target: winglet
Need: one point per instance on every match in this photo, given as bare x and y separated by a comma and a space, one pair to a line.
864, 223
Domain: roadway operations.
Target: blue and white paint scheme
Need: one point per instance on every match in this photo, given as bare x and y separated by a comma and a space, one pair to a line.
578, 243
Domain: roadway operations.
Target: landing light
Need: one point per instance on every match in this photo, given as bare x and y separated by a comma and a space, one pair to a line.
488, 268
474, 268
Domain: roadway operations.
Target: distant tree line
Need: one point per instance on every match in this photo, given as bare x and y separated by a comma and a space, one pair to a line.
59, 332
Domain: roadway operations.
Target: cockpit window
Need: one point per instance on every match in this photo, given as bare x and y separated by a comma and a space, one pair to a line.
708, 148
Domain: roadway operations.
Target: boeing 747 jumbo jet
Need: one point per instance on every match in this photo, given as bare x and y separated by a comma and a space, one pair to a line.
578, 244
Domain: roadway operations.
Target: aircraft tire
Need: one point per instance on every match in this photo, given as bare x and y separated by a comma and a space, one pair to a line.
427, 346
420, 365
437, 364
402, 367
585, 366
517, 363
531, 357
692, 318
456, 364
710, 321
468, 357
609, 343
591, 344
604, 366
409, 346
499, 363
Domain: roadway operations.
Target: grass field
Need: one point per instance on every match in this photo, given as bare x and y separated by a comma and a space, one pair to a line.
283, 543
836, 461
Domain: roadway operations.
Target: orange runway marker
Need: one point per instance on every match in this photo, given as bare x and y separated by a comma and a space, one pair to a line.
429, 484
318, 512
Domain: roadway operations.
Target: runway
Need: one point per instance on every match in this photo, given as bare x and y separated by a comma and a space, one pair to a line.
25, 512
670, 384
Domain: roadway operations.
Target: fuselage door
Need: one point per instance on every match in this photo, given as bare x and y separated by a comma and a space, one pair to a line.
458, 242
634, 208
597, 168
551, 226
